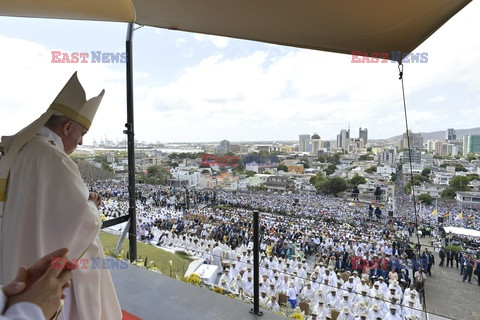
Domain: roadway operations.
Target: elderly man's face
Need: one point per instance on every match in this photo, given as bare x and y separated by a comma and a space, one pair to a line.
72, 136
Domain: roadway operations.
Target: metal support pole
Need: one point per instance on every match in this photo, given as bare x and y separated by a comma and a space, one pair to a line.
256, 265
132, 233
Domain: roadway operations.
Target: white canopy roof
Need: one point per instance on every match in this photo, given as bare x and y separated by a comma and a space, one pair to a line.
462, 231
368, 26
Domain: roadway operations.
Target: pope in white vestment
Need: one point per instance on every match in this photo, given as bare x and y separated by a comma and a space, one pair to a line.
47, 207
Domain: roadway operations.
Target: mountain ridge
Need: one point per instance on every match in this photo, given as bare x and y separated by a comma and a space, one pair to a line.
440, 135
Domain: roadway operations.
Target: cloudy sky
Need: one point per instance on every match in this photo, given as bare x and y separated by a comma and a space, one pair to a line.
191, 87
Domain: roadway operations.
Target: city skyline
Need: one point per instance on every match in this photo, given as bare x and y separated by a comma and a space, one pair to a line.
398, 137
193, 87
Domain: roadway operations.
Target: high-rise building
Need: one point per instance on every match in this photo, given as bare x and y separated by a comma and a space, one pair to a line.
387, 156
450, 135
303, 140
316, 143
416, 140
343, 139
223, 148
438, 147
363, 135
416, 156
471, 144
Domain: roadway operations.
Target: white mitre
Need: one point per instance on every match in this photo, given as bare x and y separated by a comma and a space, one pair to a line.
70, 102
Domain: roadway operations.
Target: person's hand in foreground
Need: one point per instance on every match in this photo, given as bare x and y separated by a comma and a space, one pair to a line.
41, 284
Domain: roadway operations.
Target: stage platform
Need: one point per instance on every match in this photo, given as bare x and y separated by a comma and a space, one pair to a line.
152, 296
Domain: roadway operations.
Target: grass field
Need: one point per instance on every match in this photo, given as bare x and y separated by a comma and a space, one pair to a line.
159, 257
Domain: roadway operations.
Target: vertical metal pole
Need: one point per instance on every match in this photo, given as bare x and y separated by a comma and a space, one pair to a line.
256, 265
132, 234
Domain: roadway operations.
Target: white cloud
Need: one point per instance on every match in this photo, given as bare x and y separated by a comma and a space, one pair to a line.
242, 90
217, 41
30, 83
437, 99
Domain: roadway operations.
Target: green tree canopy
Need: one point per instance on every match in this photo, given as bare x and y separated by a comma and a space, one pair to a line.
426, 172
282, 167
156, 175
460, 183
425, 198
251, 174
332, 185
372, 169
356, 180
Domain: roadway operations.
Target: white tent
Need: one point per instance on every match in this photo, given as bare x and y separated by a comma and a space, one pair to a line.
462, 231
366, 26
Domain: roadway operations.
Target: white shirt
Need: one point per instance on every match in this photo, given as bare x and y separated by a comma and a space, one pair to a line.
20, 311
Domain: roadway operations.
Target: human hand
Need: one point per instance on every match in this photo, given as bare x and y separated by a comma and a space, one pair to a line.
96, 198
17, 285
26, 277
46, 291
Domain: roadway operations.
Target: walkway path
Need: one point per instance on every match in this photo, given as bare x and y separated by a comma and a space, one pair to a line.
446, 293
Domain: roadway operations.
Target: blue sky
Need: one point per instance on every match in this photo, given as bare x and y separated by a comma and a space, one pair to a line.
191, 87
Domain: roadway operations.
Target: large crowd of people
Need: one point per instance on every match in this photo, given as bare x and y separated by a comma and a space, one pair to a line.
323, 254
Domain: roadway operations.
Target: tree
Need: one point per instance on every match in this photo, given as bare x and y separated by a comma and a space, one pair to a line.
332, 185
471, 157
173, 155
90, 172
157, 175
321, 159
425, 198
305, 164
372, 169
393, 177
460, 183
426, 172
356, 180
363, 157
318, 177
449, 193
328, 171
459, 167
417, 180
205, 171
282, 167
335, 159
251, 174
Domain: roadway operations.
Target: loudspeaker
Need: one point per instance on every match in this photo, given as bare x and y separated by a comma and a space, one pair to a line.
390, 213
440, 219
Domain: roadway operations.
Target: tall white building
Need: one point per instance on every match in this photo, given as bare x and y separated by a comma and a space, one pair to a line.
387, 156
343, 139
316, 143
363, 135
304, 141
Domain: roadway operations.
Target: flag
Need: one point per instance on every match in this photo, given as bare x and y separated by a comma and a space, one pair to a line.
459, 216
446, 214
434, 213
471, 218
